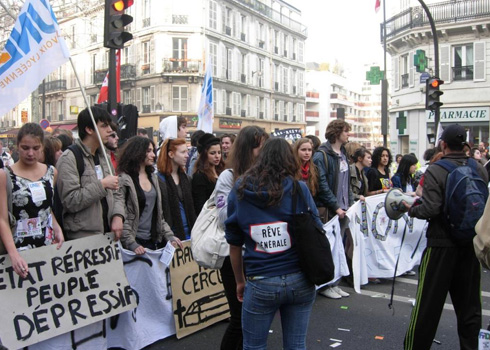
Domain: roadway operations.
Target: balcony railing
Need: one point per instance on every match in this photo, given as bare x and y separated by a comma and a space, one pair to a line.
181, 65
99, 76
54, 85
444, 12
128, 71
180, 19
463, 73
274, 15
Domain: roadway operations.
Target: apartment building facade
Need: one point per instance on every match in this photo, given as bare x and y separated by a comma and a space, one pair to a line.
256, 49
463, 33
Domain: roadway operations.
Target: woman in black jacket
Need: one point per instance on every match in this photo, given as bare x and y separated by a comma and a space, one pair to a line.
208, 166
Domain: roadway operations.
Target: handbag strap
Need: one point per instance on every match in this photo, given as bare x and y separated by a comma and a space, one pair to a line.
296, 189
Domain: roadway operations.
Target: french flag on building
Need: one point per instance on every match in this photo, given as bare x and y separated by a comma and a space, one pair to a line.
104, 89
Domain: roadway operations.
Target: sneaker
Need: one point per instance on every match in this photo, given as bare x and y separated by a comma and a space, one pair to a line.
330, 293
340, 292
409, 273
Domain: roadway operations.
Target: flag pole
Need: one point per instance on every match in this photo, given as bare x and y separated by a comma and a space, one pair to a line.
92, 117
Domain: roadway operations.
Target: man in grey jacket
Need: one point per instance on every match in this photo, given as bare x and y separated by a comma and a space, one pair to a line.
91, 201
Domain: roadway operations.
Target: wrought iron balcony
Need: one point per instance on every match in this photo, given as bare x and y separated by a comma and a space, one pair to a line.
463, 73
180, 19
181, 65
54, 85
444, 12
274, 15
99, 75
128, 71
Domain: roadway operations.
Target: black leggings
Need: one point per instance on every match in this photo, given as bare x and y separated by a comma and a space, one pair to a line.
233, 337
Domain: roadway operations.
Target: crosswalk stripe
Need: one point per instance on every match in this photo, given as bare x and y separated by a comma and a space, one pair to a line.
414, 282
373, 294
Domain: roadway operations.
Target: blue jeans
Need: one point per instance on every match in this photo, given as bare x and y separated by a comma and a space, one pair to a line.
293, 295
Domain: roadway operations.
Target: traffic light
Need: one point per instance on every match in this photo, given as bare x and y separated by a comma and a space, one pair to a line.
432, 93
114, 22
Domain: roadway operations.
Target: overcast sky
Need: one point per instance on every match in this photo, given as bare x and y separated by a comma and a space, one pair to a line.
346, 30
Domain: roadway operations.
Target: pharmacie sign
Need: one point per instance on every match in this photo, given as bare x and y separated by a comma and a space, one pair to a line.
470, 114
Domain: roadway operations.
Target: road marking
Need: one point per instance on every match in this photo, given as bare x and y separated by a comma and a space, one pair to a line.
409, 300
415, 282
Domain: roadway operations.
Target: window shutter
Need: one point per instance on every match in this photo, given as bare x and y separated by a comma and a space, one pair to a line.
479, 65
445, 63
138, 99
152, 55
152, 98
396, 73
411, 69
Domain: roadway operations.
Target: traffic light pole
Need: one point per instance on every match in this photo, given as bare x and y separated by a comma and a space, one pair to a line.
437, 112
384, 87
112, 95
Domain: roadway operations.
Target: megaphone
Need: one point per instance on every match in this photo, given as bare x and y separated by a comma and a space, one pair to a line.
393, 203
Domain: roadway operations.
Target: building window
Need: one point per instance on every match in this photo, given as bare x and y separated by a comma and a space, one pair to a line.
179, 98
404, 70
213, 15
146, 99
146, 13
463, 62
145, 66
179, 52
127, 97
237, 103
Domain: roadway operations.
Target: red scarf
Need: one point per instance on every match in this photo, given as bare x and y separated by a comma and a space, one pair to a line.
305, 171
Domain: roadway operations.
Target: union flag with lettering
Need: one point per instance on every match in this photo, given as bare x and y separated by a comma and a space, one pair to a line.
34, 49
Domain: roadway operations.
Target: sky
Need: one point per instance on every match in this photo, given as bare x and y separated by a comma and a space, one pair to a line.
344, 30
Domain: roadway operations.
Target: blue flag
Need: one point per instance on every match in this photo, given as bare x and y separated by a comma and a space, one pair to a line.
205, 112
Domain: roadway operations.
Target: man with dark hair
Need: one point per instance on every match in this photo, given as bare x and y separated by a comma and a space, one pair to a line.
334, 194
142, 132
193, 154
113, 143
447, 265
91, 201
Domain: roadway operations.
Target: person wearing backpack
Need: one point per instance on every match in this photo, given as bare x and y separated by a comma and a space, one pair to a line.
88, 192
449, 263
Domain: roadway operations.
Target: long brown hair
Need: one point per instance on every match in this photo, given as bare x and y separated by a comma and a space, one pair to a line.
241, 155
203, 165
275, 163
164, 163
312, 172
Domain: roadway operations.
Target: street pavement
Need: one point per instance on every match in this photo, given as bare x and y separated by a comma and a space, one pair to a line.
361, 321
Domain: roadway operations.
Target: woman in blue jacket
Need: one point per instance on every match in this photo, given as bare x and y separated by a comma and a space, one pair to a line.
268, 276
403, 178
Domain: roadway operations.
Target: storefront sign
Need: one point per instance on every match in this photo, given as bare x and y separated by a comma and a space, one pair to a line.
470, 114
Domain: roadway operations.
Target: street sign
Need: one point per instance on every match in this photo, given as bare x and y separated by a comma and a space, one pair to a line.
44, 123
423, 77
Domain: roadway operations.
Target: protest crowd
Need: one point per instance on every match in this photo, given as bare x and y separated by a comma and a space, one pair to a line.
150, 195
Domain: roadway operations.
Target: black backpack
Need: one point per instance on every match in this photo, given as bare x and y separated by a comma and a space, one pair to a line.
57, 205
465, 199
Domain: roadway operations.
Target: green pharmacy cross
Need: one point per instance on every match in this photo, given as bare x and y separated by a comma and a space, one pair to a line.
420, 61
374, 75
